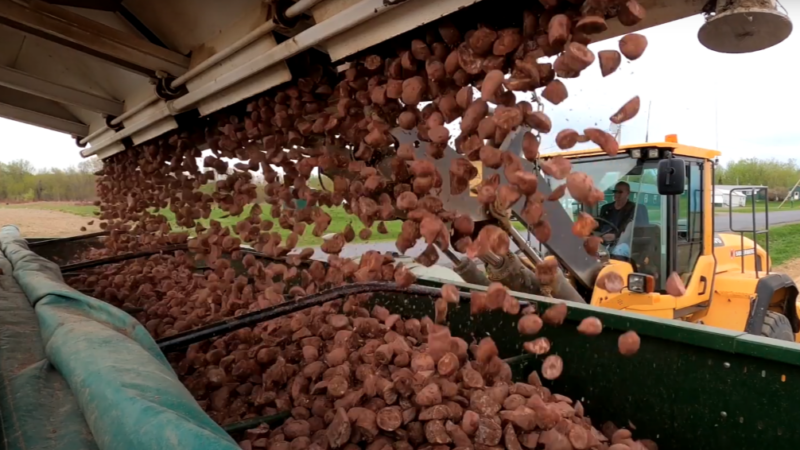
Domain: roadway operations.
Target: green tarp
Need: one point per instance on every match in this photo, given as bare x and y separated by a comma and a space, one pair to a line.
125, 388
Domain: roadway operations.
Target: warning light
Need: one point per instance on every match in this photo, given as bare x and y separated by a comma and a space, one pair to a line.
671, 138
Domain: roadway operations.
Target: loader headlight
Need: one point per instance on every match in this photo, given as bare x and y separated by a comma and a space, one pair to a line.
641, 283
636, 153
652, 153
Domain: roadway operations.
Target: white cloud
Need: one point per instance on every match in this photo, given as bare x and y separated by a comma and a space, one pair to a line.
741, 104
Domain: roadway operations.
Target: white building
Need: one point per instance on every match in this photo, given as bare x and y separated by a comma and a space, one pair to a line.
723, 196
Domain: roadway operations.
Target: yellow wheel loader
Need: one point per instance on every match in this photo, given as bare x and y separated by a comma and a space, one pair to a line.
728, 277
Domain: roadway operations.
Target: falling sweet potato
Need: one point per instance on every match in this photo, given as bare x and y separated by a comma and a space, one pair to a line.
628, 343
578, 57
604, 140
530, 147
530, 324
591, 25
540, 346
592, 245
539, 122
609, 61
584, 225
558, 167
526, 182
552, 367
627, 112
611, 282
590, 326
580, 186
507, 41
413, 90
566, 139
632, 46
491, 84
476, 111
631, 13
675, 286
555, 93
482, 40
558, 30
491, 157
407, 120
555, 314
439, 135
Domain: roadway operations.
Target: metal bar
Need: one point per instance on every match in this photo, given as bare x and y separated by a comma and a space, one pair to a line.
345, 20
301, 7
67, 239
118, 120
61, 26
44, 120
262, 30
225, 326
120, 258
21, 81
157, 115
755, 235
267, 27
766, 224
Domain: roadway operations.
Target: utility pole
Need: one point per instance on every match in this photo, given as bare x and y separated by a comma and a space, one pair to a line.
789, 194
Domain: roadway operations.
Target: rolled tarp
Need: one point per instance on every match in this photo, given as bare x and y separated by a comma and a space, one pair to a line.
128, 393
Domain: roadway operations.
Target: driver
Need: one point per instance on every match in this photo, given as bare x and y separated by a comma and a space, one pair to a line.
619, 213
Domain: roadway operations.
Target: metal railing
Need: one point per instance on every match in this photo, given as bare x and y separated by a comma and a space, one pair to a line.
755, 231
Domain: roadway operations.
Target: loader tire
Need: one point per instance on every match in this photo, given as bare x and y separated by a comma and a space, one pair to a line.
777, 326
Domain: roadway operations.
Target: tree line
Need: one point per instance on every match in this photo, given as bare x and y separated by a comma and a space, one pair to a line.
20, 181
779, 176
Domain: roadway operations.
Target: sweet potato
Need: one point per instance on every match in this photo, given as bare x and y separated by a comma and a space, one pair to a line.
540, 346
539, 121
555, 314
632, 46
578, 57
627, 112
413, 90
629, 343
604, 140
611, 282
507, 41
558, 30
675, 286
491, 84
584, 225
590, 326
482, 40
631, 13
566, 139
609, 61
529, 324
555, 92
473, 115
491, 157
552, 367
591, 25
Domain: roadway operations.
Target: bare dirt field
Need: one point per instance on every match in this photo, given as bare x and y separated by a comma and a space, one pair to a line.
34, 223
791, 268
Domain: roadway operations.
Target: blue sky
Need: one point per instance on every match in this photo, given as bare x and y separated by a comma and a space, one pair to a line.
743, 105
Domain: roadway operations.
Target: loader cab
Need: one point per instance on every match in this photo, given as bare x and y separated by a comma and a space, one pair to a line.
659, 233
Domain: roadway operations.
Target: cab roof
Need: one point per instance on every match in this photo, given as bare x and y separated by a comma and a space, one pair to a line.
677, 148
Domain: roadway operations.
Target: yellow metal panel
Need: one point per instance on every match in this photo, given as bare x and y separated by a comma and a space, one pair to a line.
678, 149
730, 305
708, 208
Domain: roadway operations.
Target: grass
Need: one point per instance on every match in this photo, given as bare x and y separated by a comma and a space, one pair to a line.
784, 242
760, 206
